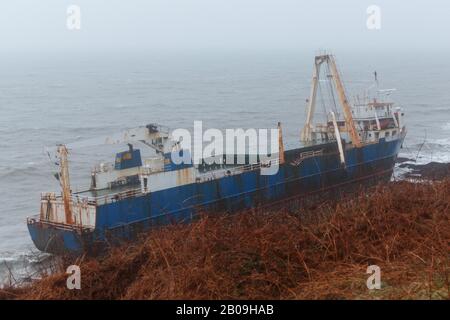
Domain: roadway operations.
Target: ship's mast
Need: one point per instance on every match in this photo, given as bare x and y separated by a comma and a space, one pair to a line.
65, 182
344, 102
280, 144
307, 132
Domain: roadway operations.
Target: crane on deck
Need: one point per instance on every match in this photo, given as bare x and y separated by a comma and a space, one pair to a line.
308, 134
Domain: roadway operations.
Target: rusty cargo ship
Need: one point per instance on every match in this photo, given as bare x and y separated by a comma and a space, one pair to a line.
356, 145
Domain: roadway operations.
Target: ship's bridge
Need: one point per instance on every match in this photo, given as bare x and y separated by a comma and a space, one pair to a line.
373, 109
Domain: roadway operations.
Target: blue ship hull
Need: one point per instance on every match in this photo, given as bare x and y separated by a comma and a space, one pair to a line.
313, 178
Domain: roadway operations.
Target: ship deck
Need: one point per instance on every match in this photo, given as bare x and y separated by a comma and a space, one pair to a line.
120, 192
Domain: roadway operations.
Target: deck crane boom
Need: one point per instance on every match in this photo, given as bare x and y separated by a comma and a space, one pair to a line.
153, 135
307, 134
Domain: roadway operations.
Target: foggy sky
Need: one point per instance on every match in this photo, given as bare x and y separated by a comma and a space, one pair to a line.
193, 25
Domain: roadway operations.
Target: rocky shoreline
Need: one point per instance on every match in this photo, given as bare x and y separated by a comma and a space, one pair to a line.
430, 171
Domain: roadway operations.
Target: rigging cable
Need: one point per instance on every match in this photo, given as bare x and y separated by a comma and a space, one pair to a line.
332, 91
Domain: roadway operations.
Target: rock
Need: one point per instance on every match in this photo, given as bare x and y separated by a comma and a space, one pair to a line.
430, 171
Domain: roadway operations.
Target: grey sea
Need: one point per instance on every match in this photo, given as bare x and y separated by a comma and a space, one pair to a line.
49, 99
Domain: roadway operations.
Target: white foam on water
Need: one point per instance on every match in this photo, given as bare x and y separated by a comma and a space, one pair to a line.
436, 156
444, 142
433, 150
17, 267
441, 153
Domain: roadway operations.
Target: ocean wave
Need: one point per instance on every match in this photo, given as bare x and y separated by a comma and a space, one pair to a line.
442, 157
58, 130
446, 126
432, 150
19, 266
436, 145
445, 142
424, 157
30, 168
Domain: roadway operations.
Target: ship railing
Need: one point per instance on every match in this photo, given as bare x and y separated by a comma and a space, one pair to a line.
103, 167
305, 155
53, 197
149, 170
367, 112
236, 170
108, 198
77, 227
96, 200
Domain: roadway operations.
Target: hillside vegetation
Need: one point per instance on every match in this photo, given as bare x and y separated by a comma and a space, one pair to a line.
318, 253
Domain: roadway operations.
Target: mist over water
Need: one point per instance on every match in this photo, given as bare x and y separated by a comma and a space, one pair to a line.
50, 99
